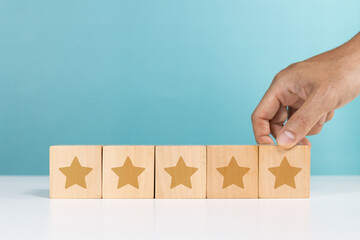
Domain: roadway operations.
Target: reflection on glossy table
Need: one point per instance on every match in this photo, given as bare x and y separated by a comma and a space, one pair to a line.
332, 212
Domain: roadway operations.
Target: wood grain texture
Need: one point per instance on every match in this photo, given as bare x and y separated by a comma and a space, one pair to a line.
137, 180
75, 171
232, 172
172, 158
281, 170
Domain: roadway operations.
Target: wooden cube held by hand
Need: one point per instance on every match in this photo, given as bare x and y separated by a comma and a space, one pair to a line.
284, 173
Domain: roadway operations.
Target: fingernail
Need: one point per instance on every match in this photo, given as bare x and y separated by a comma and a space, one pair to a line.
286, 139
322, 120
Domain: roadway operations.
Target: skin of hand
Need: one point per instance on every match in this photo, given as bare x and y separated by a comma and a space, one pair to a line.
303, 96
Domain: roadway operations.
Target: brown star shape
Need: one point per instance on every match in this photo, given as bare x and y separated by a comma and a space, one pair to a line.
233, 174
128, 174
181, 174
285, 174
75, 174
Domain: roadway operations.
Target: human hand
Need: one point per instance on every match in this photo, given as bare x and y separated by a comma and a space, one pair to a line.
305, 94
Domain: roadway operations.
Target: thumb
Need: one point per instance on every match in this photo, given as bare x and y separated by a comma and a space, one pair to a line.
300, 123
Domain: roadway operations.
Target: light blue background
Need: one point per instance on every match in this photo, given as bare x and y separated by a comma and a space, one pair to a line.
159, 72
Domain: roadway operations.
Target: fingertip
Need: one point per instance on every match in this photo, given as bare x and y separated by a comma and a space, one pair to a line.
265, 140
302, 142
286, 139
285, 147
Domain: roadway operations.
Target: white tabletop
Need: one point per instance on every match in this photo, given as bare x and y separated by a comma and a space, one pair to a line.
332, 212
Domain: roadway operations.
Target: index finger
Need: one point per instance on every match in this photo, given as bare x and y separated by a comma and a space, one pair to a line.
264, 112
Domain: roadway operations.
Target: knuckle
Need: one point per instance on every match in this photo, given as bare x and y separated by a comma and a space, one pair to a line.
279, 76
301, 121
288, 71
253, 116
328, 96
330, 116
295, 65
315, 131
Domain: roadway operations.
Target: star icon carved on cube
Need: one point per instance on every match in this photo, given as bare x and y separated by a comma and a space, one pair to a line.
285, 174
181, 174
75, 174
128, 174
233, 174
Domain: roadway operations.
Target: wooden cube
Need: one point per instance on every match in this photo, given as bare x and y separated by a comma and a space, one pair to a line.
284, 173
180, 172
75, 171
232, 172
128, 171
